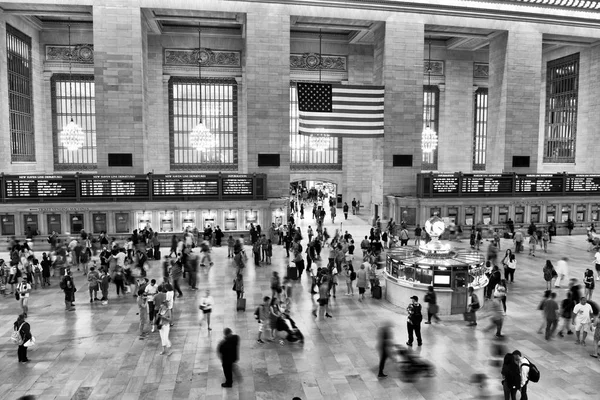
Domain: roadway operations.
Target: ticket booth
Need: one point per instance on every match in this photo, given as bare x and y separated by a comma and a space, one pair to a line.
208, 219
76, 221
251, 217
99, 222
565, 213
54, 223
31, 221
550, 213
8, 225
166, 221
409, 215
144, 219
278, 217
230, 220
519, 214
453, 215
486, 215
188, 220
502, 214
595, 212
580, 214
122, 222
535, 214
435, 211
469, 216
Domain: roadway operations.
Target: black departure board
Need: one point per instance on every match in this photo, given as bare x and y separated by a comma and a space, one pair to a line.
40, 187
445, 184
185, 185
119, 186
478, 184
539, 184
238, 185
583, 183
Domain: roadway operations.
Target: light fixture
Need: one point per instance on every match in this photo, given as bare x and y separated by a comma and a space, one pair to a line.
429, 138
71, 137
201, 138
319, 141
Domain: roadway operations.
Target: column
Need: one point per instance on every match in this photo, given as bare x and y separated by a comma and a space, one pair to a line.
119, 82
266, 93
514, 98
398, 66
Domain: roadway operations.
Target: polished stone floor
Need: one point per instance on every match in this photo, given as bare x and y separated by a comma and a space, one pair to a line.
94, 352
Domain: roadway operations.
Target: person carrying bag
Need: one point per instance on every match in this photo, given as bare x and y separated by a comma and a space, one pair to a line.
22, 337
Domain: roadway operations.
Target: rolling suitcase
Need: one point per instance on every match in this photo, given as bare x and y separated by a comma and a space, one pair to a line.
377, 292
241, 304
150, 254
292, 273
157, 255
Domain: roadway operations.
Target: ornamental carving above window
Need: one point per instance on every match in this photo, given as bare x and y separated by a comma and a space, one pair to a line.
310, 62
208, 57
77, 53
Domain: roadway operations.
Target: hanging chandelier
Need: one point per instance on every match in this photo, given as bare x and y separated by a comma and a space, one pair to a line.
429, 138
72, 136
319, 141
201, 138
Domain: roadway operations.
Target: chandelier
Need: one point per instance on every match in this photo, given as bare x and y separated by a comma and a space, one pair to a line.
72, 136
201, 138
429, 139
319, 141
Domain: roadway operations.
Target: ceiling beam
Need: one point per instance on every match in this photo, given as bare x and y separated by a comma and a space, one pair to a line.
456, 42
457, 34
302, 24
48, 13
190, 18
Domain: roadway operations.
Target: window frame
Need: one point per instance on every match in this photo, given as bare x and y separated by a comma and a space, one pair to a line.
208, 166
434, 124
480, 128
90, 134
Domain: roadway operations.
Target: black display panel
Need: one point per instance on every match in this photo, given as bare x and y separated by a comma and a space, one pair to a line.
484, 184
185, 185
539, 184
238, 185
40, 187
114, 186
446, 184
583, 183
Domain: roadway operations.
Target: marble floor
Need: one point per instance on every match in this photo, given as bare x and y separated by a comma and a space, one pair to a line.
95, 353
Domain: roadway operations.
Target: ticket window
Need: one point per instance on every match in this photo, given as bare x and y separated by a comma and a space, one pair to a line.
251, 217
54, 223
486, 215
166, 221
580, 216
99, 222
519, 215
278, 217
565, 213
188, 220
435, 211
453, 215
8, 225
535, 214
469, 216
595, 213
122, 222
502, 215
144, 220
230, 220
550, 213
409, 215
76, 223
30, 221
209, 218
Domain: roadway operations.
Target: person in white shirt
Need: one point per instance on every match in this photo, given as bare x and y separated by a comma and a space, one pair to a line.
151, 291
23, 288
206, 304
121, 258
582, 319
524, 367
562, 268
597, 261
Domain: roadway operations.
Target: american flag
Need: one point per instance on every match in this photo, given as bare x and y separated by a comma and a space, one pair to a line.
340, 110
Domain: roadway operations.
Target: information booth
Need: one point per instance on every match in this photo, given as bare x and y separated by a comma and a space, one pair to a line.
535, 214
230, 220
550, 213
30, 221
565, 213
250, 217
8, 225
99, 222
144, 219
54, 223
166, 221
188, 220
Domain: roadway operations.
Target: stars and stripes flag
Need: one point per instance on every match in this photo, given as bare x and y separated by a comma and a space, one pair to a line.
340, 110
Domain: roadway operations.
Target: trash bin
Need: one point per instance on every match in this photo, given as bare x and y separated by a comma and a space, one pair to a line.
339, 201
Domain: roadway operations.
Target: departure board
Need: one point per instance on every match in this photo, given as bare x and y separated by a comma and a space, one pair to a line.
128, 186
39, 187
583, 183
485, 184
539, 183
447, 184
185, 185
238, 185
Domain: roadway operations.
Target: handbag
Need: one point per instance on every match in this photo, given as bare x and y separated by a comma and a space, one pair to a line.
434, 308
17, 296
15, 337
30, 342
469, 316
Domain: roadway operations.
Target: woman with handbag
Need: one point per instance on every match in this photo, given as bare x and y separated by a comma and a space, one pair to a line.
433, 308
23, 330
163, 323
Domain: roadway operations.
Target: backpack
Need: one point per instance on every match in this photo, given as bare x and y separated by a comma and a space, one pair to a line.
547, 274
16, 336
352, 275
404, 234
534, 372
417, 316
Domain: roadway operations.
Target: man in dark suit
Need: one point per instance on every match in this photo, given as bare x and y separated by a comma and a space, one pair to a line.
228, 352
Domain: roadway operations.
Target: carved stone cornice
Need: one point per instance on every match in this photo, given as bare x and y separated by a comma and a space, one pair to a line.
207, 57
481, 70
310, 61
77, 53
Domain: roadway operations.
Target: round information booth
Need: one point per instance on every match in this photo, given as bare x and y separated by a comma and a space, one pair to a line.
410, 271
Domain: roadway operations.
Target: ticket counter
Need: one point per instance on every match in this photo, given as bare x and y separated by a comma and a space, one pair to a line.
595, 213
230, 220
519, 215
209, 218
250, 217
550, 213
8, 225
99, 222
30, 221
486, 215
76, 222
144, 220
580, 214
535, 214
122, 222
453, 215
409, 215
435, 211
502, 214
166, 221
565, 213
54, 223
188, 220
469, 216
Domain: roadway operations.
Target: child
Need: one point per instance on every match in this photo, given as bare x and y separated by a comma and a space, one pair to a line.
230, 246
269, 252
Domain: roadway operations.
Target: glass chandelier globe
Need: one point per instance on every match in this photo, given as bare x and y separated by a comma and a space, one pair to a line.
202, 138
319, 141
429, 140
72, 137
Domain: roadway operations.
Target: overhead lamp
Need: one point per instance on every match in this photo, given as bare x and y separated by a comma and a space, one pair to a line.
320, 140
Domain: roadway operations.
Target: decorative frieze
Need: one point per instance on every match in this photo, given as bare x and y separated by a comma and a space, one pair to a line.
208, 57
435, 67
77, 53
481, 70
310, 61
